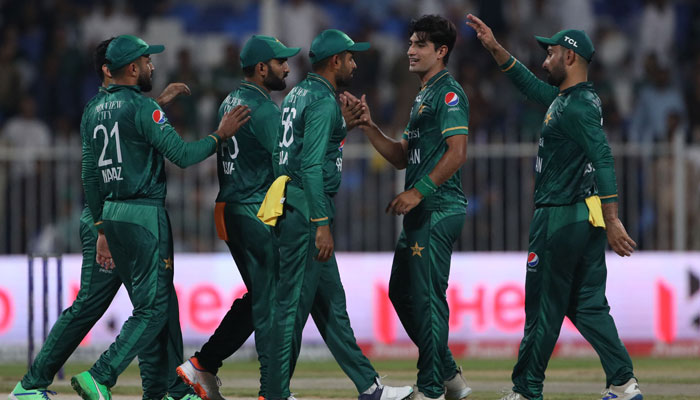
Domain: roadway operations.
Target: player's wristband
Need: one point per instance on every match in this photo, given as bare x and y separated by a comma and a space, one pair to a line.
508, 64
425, 186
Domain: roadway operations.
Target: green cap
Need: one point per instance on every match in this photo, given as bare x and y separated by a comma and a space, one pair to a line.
260, 48
573, 39
333, 41
126, 48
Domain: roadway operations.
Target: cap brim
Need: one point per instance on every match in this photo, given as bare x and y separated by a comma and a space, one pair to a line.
362, 46
545, 41
154, 49
288, 52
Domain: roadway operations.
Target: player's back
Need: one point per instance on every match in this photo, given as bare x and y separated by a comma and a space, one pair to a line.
326, 128
244, 161
129, 166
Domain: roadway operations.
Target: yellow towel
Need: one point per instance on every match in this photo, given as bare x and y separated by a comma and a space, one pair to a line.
595, 211
273, 204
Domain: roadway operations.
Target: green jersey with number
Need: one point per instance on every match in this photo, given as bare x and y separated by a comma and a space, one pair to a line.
574, 160
124, 138
244, 161
86, 216
310, 142
439, 111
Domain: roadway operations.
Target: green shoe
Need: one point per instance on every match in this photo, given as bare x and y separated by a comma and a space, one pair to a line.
20, 393
189, 396
88, 388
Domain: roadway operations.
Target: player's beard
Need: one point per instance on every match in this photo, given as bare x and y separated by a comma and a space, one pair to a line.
145, 81
344, 77
274, 82
556, 74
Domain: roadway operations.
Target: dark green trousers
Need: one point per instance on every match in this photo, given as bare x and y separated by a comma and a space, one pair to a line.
566, 277
253, 246
98, 287
308, 286
140, 240
418, 288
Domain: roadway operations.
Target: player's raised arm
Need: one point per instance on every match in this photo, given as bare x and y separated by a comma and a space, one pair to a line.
532, 87
485, 35
392, 150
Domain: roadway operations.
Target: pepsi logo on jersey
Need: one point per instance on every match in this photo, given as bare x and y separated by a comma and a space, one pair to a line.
451, 99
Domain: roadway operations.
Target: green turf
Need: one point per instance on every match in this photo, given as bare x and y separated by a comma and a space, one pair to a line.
664, 371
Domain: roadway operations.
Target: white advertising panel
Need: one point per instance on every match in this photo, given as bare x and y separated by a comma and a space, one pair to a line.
655, 300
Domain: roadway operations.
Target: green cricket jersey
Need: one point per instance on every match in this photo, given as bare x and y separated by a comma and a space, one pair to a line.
440, 110
244, 162
310, 142
124, 138
86, 216
574, 160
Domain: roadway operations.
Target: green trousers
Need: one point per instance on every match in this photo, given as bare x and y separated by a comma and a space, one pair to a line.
98, 287
140, 240
308, 286
418, 287
566, 276
253, 246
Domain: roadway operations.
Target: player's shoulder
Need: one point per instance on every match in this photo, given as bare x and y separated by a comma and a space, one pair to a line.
583, 99
266, 109
448, 83
90, 105
450, 92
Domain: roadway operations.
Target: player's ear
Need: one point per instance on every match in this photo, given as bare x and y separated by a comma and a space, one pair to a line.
442, 51
570, 57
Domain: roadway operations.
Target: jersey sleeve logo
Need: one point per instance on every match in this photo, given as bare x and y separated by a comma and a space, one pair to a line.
158, 116
532, 259
451, 99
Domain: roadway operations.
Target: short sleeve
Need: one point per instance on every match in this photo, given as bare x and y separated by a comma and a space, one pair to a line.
452, 112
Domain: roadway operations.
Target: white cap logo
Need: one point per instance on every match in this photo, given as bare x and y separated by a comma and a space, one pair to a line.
570, 41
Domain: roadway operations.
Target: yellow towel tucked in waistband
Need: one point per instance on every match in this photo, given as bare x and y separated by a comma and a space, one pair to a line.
595, 211
273, 204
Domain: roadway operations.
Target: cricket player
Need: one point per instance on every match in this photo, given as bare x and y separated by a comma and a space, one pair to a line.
574, 174
245, 172
125, 136
98, 287
433, 149
310, 153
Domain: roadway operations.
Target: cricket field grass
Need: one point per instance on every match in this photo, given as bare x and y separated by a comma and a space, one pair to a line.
668, 379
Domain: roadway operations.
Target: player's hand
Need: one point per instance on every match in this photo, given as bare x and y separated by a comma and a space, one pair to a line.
104, 256
232, 121
618, 238
404, 202
171, 92
364, 116
351, 107
483, 32
324, 243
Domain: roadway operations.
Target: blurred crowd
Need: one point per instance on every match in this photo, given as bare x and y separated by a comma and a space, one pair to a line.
646, 69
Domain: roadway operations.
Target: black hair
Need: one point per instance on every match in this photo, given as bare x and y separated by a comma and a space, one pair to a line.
321, 65
99, 57
436, 29
249, 71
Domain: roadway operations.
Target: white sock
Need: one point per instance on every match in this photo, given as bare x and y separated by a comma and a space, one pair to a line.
371, 389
